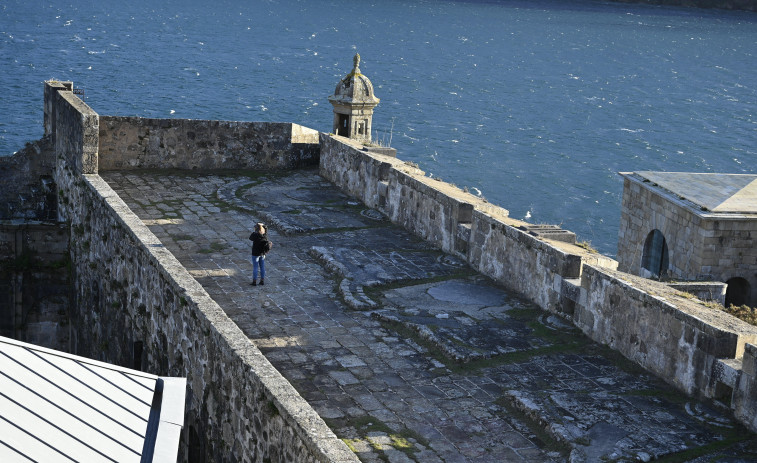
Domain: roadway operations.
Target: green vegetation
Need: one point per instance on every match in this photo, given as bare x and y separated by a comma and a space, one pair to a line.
214, 247
587, 245
742, 312
402, 440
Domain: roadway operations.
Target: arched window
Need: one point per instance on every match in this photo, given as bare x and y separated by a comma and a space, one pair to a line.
738, 292
655, 257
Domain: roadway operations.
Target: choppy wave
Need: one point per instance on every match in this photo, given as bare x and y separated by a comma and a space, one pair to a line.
537, 104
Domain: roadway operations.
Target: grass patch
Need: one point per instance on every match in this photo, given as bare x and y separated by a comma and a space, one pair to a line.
742, 312
685, 295
400, 440
223, 206
214, 247
587, 245
369, 423
351, 444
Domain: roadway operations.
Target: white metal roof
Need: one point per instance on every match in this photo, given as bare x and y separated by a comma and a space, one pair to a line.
56, 407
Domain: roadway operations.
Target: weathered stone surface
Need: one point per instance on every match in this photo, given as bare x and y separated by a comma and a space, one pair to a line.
376, 386
179, 288
76, 132
33, 195
135, 142
131, 290
429, 208
679, 342
702, 244
35, 284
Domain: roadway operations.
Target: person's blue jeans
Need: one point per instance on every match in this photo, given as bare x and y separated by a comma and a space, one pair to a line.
258, 261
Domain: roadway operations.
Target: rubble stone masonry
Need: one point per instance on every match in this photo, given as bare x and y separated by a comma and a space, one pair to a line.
129, 289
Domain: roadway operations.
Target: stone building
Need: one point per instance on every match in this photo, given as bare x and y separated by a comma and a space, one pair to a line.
353, 102
693, 227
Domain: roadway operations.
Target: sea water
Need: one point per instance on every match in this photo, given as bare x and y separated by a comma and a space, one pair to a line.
535, 105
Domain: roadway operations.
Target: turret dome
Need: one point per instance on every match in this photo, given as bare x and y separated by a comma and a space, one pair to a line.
355, 87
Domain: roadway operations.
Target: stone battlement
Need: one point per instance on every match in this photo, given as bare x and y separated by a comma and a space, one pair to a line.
130, 288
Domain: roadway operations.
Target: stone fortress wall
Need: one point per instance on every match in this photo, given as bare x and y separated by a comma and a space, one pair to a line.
35, 283
700, 351
140, 143
130, 291
136, 305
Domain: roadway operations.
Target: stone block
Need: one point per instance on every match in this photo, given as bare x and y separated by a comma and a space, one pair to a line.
749, 362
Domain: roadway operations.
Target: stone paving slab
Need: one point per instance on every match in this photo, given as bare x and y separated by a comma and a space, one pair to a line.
493, 380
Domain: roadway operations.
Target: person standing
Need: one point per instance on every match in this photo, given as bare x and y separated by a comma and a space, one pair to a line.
260, 246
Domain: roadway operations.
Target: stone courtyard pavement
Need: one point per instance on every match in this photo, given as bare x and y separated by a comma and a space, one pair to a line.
406, 353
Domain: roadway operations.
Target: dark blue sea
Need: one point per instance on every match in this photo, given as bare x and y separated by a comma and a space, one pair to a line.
535, 104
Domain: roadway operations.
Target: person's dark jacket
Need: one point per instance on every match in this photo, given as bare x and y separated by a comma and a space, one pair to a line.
259, 243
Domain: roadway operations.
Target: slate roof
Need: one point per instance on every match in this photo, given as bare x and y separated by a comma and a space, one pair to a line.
715, 193
60, 407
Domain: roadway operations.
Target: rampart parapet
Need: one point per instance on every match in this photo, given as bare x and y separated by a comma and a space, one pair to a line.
661, 328
130, 290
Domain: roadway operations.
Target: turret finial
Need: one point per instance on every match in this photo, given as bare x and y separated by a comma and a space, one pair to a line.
356, 60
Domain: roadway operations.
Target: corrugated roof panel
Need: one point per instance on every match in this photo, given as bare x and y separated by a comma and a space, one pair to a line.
45, 402
76, 408
16, 443
94, 395
48, 436
90, 379
57, 407
144, 381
